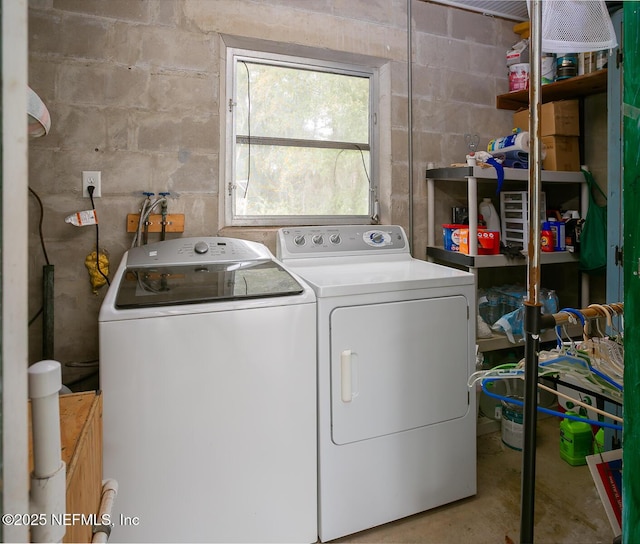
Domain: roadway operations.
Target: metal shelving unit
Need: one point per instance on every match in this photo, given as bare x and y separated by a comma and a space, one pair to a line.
472, 176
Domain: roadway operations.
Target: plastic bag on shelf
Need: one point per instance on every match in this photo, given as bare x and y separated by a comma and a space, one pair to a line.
503, 308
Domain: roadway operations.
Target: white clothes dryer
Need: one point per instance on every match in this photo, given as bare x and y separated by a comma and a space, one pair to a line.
208, 373
396, 345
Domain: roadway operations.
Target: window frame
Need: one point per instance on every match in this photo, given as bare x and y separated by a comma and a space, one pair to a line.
234, 55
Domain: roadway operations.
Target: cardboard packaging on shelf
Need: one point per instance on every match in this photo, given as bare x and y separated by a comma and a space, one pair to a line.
561, 118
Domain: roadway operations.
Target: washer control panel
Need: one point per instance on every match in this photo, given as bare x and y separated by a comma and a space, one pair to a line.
197, 250
342, 240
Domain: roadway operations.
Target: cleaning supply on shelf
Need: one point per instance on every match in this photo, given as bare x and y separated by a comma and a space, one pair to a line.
82, 219
576, 440
489, 214
546, 238
451, 234
512, 142
559, 238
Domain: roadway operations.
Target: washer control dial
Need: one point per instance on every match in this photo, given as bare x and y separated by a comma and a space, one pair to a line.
335, 239
376, 238
300, 240
317, 239
201, 247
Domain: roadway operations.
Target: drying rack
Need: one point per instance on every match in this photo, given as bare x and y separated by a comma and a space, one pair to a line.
594, 311
534, 322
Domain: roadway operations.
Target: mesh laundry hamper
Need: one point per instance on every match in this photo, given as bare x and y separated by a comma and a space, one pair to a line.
573, 26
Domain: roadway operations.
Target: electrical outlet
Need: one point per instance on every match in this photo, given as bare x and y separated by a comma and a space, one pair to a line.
93, 179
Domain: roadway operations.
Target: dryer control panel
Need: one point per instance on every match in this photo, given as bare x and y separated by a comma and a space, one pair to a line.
302, 242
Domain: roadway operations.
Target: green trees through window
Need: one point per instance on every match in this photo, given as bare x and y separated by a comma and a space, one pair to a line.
302, 142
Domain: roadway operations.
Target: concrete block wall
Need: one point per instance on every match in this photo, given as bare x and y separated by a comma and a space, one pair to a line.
134, 91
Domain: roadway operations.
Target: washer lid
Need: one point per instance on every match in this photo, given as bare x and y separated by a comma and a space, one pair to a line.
152, 286
341, 277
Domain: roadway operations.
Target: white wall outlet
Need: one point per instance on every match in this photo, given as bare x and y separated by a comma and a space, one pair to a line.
93, 179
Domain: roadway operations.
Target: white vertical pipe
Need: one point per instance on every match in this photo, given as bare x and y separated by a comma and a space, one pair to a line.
48, 482
472, 196
45, 380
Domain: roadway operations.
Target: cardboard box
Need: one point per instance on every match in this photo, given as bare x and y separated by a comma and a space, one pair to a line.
562, 153
561, 118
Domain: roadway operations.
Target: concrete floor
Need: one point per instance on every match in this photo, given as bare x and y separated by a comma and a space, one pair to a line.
567, 507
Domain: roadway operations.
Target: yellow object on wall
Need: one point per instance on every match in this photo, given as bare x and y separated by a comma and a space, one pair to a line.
522, 29
97, 276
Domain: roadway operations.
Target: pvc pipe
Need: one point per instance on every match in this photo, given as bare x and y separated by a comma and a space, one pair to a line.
45, 380
109, 493
48, 500
48, 482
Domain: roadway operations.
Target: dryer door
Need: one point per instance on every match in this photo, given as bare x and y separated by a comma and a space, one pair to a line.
397, 366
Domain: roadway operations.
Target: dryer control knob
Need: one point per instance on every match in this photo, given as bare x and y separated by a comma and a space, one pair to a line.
318, 239
201, 247
377, 237
299, 240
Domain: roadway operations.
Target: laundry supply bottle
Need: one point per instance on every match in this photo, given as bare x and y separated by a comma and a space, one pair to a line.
576, 440
546, 237
489, 214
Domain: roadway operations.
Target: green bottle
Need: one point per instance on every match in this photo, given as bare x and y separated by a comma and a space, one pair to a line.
576, 440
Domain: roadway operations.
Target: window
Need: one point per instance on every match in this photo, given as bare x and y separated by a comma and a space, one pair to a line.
301, 141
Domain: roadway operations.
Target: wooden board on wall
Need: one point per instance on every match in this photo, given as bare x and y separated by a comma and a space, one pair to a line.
175, 222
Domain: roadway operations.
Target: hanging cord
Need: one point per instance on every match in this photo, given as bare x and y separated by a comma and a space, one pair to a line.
375, 215
90, 190
246, 188
44, 249
42, 244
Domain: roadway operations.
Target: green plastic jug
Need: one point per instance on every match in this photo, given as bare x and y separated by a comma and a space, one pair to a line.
576, 440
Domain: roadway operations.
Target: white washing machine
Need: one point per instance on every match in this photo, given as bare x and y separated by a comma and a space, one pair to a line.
396, 342
208, 372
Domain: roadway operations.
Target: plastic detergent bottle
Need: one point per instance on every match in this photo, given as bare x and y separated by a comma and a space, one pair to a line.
489, 214
576, 440
546, 237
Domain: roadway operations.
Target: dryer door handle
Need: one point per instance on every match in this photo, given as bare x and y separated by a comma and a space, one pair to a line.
345, 372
